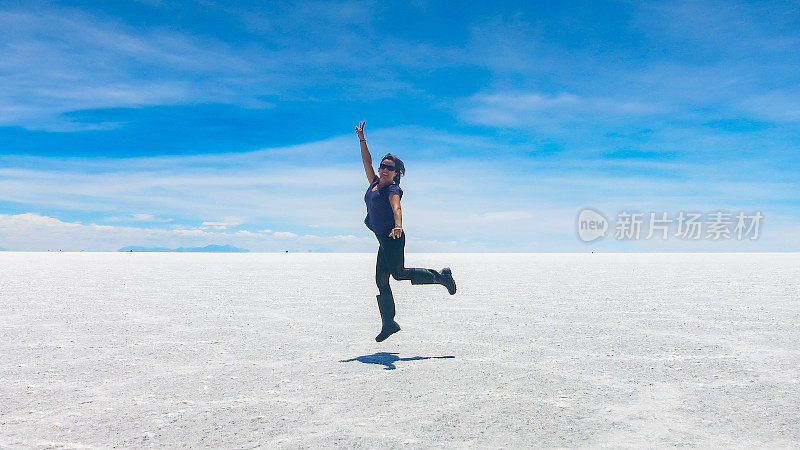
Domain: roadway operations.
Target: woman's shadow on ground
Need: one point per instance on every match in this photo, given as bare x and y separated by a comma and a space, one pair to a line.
388, 359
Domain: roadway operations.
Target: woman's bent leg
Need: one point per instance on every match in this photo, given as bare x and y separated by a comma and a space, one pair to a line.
395, 259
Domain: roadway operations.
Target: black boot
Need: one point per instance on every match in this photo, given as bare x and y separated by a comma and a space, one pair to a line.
386, 307
448, 281
430, 276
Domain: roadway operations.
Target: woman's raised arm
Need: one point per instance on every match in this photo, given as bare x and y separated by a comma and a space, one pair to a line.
366, 158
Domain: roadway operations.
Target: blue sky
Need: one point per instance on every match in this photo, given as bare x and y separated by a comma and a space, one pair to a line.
188, 123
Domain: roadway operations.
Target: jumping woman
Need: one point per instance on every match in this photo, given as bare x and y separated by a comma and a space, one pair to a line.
385, 219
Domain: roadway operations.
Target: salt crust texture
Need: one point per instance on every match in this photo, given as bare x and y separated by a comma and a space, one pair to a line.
277, 350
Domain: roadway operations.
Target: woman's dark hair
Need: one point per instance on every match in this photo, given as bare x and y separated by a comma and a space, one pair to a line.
399, 167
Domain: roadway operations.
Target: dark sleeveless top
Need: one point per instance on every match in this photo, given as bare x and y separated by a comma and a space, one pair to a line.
380, 218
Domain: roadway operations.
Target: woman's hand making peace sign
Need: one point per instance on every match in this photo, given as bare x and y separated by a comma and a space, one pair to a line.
360, 130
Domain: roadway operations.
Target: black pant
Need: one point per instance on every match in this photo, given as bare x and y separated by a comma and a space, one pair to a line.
391, 262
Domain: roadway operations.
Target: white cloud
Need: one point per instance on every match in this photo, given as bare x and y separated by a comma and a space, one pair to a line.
148, 218
58, 60
496, 200
41, 233
781, 106
704, 58
254, 187
228, 222
546, 111
61, 60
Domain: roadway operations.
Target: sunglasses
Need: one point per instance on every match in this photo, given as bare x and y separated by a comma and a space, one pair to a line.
387, 167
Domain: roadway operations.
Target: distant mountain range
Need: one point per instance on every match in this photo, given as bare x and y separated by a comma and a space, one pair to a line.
206, 249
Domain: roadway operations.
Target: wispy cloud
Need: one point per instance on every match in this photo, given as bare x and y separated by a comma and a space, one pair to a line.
42, 233
509, 118
289, 190
37, 232
58, 60
147, 218
546, 112
227, 223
